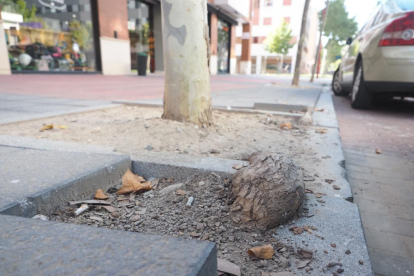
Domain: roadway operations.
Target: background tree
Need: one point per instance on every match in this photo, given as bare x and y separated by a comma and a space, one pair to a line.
339, 27
318, 49
296, 74
280, 42
187, 94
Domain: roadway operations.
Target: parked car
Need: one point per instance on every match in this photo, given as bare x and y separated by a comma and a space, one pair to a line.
381, 57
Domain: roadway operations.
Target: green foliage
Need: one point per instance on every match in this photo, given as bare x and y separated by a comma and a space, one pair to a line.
29, 14
81, 33
144, 34
334, 50
279, 42
339, 26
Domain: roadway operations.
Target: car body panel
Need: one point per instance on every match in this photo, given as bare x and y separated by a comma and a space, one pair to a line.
380, 64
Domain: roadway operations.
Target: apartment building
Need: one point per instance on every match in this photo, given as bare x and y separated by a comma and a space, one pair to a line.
267, 16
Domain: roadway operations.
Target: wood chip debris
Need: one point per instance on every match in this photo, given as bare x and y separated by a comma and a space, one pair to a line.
91, 201
224, 266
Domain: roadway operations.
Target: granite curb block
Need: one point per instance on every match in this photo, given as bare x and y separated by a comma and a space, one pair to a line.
37, 181
51, 145
180, 166
35, 247
233, 109
32, 117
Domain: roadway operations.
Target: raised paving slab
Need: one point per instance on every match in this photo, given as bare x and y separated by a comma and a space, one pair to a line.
34, 247
31, 180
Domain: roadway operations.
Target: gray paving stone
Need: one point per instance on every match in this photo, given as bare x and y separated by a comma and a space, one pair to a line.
34, 247
31, 180
391, 265
339, 222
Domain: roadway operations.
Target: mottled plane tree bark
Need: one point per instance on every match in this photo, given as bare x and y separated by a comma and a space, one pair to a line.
187, 96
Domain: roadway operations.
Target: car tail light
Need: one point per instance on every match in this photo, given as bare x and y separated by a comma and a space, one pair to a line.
400, 32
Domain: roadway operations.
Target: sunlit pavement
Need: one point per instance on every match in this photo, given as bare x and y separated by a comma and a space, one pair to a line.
383, 184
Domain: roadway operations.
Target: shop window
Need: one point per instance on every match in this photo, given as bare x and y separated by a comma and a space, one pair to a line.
87, 8
52, 39
267, 21
268, 3
287, 2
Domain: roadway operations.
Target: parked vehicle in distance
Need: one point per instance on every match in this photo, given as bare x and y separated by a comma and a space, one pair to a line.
381, 57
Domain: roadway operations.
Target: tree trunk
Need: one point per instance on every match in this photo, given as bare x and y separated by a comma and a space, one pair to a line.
300, 45
187, 96
318, 51
280, 69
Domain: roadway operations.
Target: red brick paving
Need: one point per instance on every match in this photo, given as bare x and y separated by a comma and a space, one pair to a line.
383, 185
388, 126
98, 87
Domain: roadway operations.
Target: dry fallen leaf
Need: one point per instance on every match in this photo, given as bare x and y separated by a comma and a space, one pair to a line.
52, 126
262, 252
286, 126
378, 151
46, 127
321, 131
132, 183
228, 267
100, 195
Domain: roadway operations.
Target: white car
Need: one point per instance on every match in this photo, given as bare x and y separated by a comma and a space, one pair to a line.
381, 57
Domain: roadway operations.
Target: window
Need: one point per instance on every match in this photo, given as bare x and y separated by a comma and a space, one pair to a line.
287, 20
287, 2
87, 8
406, 5
75, 8
267, 21
256, 39
268, 3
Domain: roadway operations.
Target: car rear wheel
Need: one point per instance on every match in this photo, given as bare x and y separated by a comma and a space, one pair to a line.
336, 85
361, 96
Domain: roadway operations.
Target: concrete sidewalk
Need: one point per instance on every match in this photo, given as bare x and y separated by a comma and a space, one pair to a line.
43, 166
27, 97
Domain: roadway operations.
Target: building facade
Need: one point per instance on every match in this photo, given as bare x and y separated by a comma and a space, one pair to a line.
267, 16
100, 36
